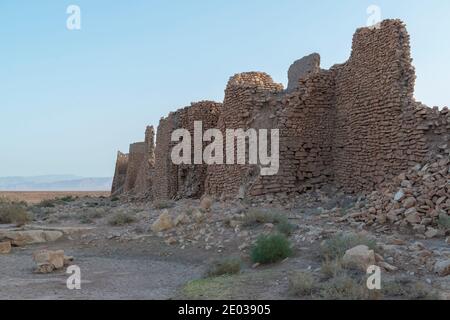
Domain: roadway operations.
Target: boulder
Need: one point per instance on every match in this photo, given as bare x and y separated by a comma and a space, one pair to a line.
442, 268
48, 261
206, 203
360, 257
5, 247
409, 202
22, 238
164, 222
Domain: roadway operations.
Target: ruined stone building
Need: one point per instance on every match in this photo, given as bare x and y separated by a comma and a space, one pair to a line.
355, 126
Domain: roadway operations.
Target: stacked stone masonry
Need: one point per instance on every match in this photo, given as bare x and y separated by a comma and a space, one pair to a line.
355, 126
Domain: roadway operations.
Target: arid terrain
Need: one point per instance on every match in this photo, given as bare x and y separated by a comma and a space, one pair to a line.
196, 249
34, 197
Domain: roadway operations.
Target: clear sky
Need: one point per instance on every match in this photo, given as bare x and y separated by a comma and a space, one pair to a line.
70, 99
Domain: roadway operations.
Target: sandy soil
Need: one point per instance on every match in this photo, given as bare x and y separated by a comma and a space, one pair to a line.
33, 197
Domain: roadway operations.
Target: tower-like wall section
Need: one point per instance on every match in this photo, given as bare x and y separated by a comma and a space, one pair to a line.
305, 120
120, 174
143, 185
135, 159
246, 98
376, 132
186, 180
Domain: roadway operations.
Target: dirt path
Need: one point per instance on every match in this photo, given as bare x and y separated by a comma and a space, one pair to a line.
121, 273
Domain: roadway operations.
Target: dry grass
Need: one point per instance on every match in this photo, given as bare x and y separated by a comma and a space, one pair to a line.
226, 266
335, 247
12, 212
121, 219
159, 205
302, 284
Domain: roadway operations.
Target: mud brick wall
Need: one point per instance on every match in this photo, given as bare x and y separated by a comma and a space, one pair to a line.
245, 106
172, 181
143, 185
376, 134
356, 125
120, 173
305, 120
135, 158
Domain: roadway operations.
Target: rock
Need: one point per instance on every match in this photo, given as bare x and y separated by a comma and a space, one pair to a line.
5, 247
412, 216
206, 203
442, 268
48, 261
431, 233
22, 238
399, 195
386, 266
163, 223
360, 257
269, 226
409, 202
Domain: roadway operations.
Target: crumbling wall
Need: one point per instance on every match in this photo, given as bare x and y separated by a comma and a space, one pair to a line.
135, 158
143, 185
305, 120
376, 134
186, 180
120, 174
246, 98
356, 125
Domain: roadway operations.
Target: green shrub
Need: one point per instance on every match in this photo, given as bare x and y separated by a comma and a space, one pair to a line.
68, 199
47, 203
335, 247
224, 267
159, 205
121, 219
271, 248
14, 213
254, 217
114, 199
302, 284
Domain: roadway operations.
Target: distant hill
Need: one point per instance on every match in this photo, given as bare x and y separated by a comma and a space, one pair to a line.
55, 183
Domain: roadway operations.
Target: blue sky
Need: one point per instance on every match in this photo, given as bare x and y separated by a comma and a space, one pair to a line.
70, 99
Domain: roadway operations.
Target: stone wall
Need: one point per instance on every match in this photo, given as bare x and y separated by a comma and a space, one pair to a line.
356, 126
120, 174
183, 180
136, 157
143, 184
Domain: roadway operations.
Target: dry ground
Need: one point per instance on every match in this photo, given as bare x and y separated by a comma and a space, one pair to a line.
33, 197
125, 259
